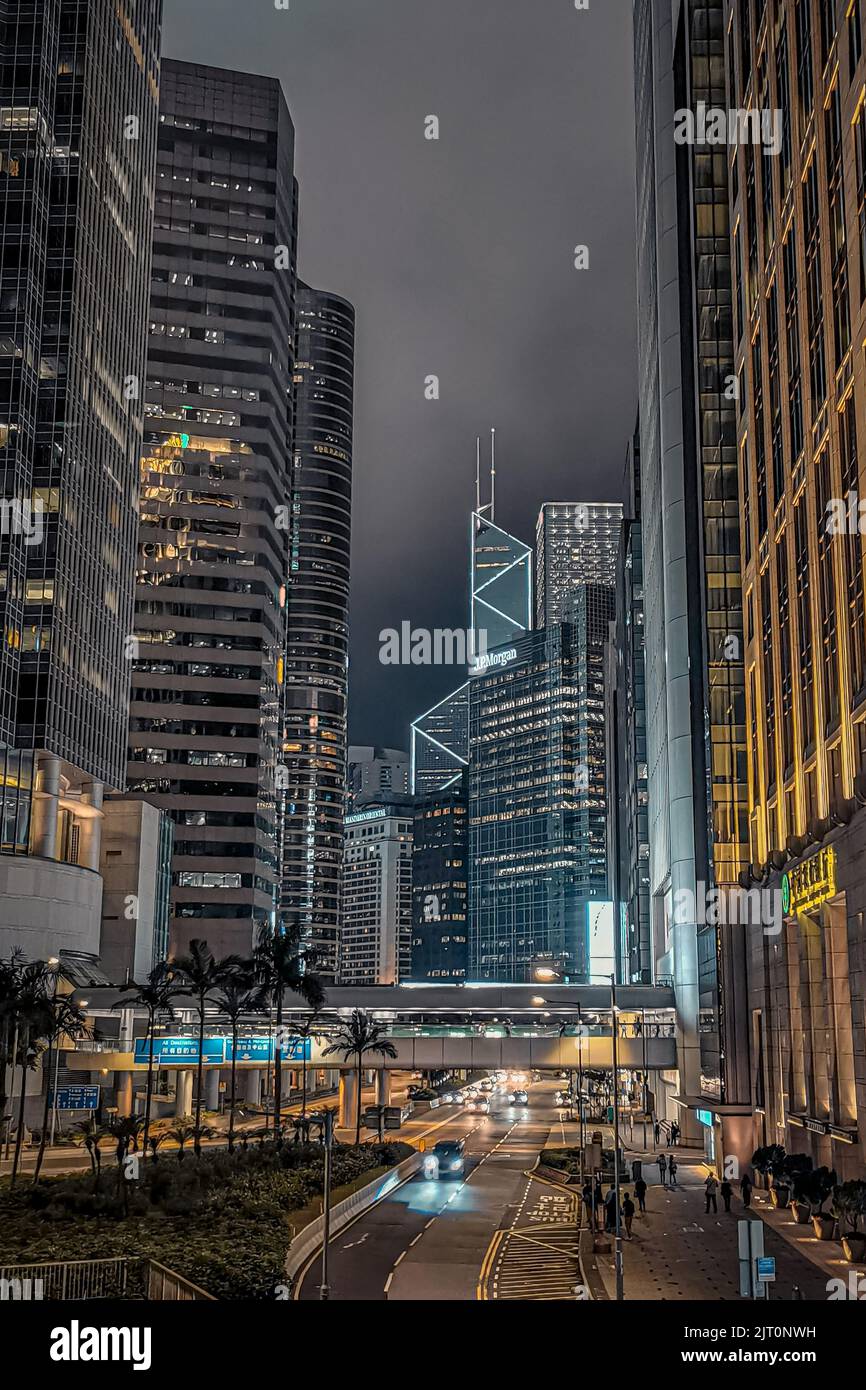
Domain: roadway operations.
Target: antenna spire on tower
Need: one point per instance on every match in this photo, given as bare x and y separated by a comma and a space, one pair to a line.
492, 474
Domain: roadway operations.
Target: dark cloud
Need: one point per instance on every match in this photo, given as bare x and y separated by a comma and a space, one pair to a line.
458, 256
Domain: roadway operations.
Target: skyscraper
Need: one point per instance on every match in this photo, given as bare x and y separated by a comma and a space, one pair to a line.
440, 859
440, 743
690, 533
78, 120
376, 929
800, 320
213, 541
314, 701
526, 891
374, 773
575, 543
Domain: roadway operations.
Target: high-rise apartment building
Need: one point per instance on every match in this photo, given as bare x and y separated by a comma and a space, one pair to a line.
376, 929
373, 774
205, 717
317, 646
440, 858
799, 250
575, 543
78, 121
691, 553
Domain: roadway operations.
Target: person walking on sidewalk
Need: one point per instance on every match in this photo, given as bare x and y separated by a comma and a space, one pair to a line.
640, 1193
610, 1211
598, 1202
675, 1134
727, 1193
746, 1190
657, 1131
711, 1187
627, 1214
663, 1166
672, 1171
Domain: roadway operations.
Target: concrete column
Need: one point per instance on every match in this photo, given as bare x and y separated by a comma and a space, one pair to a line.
43, 834
383, 1086
212, 1088
348, 1099
249, 1086
183, 1092
90, 826
123, 1083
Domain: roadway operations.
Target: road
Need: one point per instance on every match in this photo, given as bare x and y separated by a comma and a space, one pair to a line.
439, 1239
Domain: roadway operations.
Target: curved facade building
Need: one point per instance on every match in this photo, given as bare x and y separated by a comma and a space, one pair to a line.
317, 642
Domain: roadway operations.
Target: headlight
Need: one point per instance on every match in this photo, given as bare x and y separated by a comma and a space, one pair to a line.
456, 1163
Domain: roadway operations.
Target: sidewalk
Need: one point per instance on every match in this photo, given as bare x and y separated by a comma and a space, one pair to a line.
678, 1251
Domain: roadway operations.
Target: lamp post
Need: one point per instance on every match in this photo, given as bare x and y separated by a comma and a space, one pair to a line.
617, 1244
645, 1076
328, 1137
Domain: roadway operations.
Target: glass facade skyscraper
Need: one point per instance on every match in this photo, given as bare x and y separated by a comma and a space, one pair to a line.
526, 884
205, 717
501, 585
78, 121
575, 543
314, 699
440, 858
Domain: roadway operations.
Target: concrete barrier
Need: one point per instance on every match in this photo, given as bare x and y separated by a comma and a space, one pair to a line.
308, 1241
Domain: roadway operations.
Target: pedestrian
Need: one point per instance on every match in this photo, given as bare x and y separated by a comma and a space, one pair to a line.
627, 1214
657, 1131
610, 1210
746, 1190
586, 1198
711, 1187
598, 1201
640, 1193
727, 1193
675, 1134
672, 1171
663, 1167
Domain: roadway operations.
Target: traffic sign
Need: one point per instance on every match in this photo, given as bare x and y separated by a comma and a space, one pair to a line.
76, 1098
766, 1268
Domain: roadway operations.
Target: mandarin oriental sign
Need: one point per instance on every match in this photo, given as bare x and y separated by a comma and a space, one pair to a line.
810, 884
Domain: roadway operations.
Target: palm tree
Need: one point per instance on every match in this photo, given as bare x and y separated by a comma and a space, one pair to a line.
10, 974
87, 1134
239, 994
357, 1037
282, 964
203, 976
32, 1010
183, 1131
63, 1019
155, 996
306, 1026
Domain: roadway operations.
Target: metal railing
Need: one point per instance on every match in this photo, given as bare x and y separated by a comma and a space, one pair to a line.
78, 1281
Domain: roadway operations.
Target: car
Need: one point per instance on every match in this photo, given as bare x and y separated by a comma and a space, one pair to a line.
486, 1085
480, 1105
471, 1092
564, 1098
450, 1157
519, 1098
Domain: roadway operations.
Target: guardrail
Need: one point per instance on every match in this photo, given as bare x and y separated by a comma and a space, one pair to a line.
78, 1281
307, 1241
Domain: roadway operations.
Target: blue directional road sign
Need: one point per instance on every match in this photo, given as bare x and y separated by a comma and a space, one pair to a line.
766, 1268
77, 1098
172, 1051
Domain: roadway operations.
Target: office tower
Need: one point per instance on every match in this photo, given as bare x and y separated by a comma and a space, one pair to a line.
210, 603
376, 929
373, 774
317, 647
799, 221
78, 119
440, 858
690, 536
575, 543
440, 744
627, 803
500, 610
529, 875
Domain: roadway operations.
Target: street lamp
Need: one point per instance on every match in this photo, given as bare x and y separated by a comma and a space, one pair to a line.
328, 1139
617, 1244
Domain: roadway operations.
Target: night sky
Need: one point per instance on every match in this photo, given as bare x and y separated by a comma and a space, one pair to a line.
458, 255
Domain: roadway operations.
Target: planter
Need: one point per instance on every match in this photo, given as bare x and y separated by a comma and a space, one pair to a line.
854, 1247
823, 1226
802, 1213
779, 1197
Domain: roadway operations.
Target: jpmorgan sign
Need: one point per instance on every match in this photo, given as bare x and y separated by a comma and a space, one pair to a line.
486, 661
